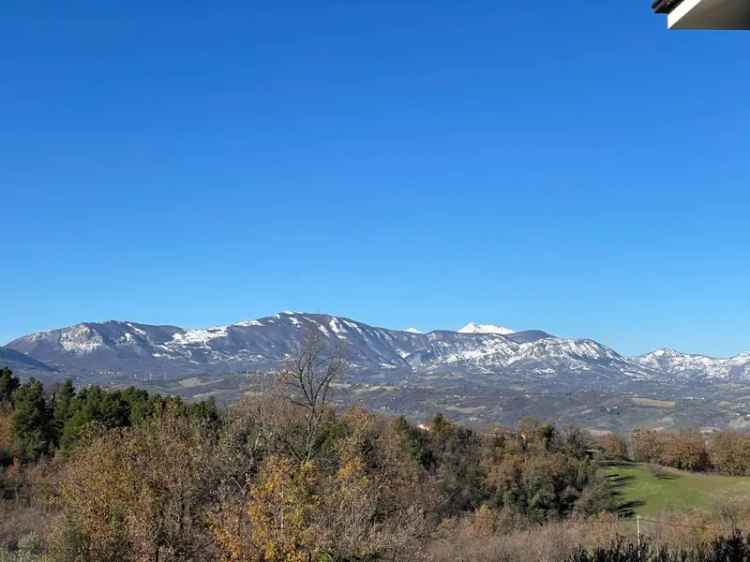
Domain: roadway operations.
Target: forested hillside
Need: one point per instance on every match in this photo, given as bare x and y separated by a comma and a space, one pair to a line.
94, 475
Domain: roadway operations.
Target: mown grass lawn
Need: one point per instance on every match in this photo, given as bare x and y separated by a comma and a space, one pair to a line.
644, 491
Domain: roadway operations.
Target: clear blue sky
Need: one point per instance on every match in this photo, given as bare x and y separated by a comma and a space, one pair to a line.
569, 166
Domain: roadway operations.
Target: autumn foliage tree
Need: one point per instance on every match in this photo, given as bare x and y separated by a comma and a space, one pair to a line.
542, 474
357, 503
730, 453
685, 449
613, 446
276, 524
648, 445
139, 493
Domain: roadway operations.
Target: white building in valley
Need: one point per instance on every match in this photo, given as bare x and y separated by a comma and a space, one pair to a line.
705, 14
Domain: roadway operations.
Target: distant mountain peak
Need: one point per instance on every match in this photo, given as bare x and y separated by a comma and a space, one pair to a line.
413, 331
664, 352
474, 328
680, 364
668, 352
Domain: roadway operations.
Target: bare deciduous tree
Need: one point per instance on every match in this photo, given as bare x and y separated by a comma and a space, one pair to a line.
307, 379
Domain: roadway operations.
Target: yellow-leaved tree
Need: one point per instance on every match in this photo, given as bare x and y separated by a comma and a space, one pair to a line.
277, 522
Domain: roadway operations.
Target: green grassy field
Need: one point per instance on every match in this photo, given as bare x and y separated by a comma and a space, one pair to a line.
648, 493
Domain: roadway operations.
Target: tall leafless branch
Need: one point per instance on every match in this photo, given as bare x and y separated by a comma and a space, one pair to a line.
308, 378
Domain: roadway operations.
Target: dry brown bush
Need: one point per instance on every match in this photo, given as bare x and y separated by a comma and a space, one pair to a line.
488, 537
137, 494
27, 507
19, 522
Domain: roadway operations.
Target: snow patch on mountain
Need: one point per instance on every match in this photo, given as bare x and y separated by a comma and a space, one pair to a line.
473, 328
80, 340
248, 323
200, 336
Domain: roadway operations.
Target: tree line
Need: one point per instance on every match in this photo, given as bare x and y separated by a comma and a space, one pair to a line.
37, 422
724, 452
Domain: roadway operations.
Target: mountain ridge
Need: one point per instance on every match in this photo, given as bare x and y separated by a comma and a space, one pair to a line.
136, 350
17, 361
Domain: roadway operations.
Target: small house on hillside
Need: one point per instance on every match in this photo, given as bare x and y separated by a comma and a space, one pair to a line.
705, 14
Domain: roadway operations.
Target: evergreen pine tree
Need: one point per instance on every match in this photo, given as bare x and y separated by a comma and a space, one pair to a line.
32, 421
63, 407
8, 385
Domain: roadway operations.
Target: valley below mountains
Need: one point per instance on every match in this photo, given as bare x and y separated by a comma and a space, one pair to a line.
481, 374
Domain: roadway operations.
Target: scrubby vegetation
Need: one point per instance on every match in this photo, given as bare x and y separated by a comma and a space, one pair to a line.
95, 475
734, 548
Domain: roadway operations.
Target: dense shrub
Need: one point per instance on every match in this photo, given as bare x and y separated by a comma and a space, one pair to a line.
544, 474
139, 493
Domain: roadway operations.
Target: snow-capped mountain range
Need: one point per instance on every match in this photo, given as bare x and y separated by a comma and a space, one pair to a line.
689, 366
130, 349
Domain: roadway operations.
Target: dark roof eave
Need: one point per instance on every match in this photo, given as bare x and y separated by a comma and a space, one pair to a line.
665, 6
